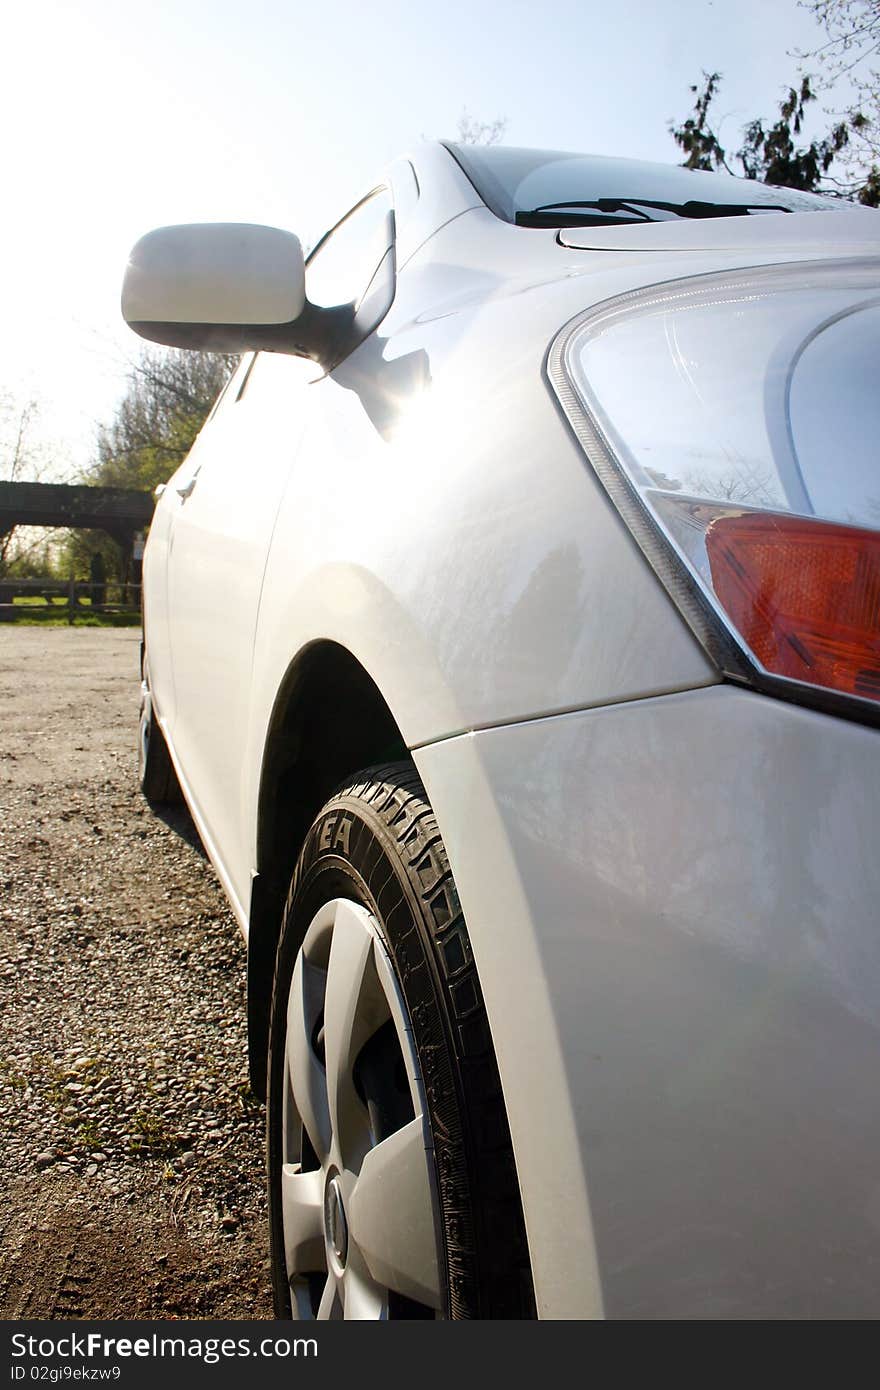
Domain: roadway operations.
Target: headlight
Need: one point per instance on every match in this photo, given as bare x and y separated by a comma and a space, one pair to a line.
735, 421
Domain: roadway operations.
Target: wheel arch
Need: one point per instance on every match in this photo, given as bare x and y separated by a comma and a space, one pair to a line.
329, 720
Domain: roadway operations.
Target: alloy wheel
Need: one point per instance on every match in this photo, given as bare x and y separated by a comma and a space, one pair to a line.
358, 1185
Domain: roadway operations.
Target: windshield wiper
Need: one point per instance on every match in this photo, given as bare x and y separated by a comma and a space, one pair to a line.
606, 212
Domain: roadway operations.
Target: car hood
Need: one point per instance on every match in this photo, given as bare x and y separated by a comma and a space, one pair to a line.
852, 230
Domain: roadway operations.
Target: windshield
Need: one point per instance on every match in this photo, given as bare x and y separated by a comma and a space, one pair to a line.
547, 188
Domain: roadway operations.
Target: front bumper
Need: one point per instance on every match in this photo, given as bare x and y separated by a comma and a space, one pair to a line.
673, 905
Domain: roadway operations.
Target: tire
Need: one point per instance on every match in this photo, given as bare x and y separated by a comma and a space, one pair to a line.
392, 1185
156, 774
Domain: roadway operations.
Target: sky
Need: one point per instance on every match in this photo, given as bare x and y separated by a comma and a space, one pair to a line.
119, 117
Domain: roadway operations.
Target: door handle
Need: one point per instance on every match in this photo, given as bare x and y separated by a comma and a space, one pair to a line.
187, 491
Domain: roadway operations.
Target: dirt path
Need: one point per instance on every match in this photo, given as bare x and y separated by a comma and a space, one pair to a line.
131, 1169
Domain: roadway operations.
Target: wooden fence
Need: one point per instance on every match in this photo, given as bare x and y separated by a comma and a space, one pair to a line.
66, 596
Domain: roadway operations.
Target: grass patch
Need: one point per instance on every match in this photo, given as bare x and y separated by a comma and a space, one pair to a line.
149, 1133
12, 1076
56, 617
37, 600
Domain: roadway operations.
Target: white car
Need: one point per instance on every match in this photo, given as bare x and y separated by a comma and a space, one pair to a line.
513, 632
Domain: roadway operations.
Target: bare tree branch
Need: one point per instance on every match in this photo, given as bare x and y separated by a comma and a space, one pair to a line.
473, 132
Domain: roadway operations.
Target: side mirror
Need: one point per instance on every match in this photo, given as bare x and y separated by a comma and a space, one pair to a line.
221, 287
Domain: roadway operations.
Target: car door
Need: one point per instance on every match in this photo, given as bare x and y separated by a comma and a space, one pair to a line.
226, 500
222, 532
155, 578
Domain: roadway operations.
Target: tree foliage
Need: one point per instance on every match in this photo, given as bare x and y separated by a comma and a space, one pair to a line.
167, 398
22, 460
770, 151
695, 136
847, 66
473, 132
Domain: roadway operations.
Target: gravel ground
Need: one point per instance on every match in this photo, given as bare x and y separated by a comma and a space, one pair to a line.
132, 1168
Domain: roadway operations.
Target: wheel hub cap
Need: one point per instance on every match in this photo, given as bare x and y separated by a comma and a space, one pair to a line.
335, 1224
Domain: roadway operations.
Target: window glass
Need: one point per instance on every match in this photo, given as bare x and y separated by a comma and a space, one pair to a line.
344, 262
275, 374
528, 187
234, 384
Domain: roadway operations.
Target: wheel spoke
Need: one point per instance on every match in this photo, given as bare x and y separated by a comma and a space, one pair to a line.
330, 1306
302, 1215
362, 1299
391, 1216
354, 1008
307, 1077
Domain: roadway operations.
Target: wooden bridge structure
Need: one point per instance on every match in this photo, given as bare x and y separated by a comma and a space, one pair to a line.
119, 511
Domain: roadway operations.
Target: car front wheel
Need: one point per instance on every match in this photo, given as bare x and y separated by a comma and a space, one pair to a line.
392, 1188
156, 774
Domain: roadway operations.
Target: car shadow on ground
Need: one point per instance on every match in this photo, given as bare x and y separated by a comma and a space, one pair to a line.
178, 819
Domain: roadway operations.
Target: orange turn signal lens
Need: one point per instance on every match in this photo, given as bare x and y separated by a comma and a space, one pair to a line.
804, 595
